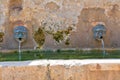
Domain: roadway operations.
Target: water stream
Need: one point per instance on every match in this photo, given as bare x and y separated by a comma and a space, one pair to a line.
19, 50
103, 48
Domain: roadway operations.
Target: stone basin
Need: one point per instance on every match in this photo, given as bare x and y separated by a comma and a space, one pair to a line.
88, 69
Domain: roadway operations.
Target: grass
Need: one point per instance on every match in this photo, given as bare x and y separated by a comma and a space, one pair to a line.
59, 54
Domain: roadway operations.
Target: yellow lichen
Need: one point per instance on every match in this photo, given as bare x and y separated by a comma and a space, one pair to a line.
39, 37
1, 36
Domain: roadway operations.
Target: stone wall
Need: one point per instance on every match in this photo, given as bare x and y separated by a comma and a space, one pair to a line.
58, 15
60, 70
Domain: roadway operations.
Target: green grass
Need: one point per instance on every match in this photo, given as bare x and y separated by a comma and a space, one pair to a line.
59, 54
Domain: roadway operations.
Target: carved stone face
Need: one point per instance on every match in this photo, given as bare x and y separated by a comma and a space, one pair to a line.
20, 33
99, 31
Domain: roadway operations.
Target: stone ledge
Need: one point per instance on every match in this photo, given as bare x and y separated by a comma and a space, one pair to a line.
74, 62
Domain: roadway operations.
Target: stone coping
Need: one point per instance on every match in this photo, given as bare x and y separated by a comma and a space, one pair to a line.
60, 62
7, 50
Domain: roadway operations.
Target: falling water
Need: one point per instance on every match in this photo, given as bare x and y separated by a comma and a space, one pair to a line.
35, 44
104, 53
19, 50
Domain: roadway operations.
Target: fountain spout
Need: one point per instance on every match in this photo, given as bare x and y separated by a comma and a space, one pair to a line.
99, 32
20, 34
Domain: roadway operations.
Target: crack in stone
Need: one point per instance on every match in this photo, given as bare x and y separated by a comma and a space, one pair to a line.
48, 73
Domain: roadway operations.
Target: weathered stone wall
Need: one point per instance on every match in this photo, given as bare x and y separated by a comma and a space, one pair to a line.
59, 15
68, 70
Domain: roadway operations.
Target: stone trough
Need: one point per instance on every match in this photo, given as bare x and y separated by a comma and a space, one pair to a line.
93, 69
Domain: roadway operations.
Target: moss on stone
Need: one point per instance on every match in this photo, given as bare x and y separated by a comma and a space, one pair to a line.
58, 36
1, 36
67, 42
39, 37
